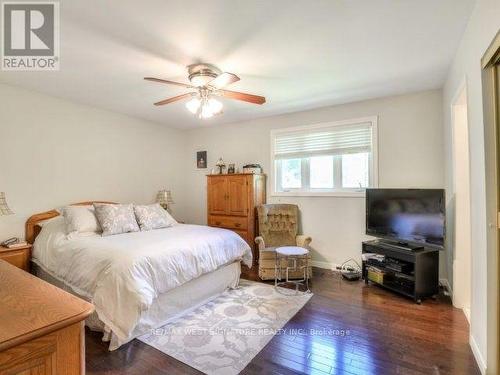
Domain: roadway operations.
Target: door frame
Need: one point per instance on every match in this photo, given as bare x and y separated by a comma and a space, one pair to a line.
490, 64
457, 260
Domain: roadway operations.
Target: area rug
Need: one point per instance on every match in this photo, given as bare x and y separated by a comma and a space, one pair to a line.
222, 336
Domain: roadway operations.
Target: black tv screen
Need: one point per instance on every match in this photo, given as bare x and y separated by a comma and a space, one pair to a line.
414, 216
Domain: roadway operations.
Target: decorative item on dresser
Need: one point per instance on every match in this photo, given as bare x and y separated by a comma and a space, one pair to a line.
278, 226
18, 256
231, 201
252, 168
41, 326
221, 165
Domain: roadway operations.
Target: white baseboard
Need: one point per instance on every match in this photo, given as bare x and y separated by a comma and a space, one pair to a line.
466, 311
324, 265
447, 286
477, 355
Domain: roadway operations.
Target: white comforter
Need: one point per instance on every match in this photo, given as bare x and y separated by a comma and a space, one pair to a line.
123, 274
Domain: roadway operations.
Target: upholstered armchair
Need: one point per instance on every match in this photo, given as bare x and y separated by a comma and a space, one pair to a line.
278, 226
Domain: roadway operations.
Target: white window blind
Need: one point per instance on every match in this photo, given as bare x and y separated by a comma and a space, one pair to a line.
325, 159
335, 140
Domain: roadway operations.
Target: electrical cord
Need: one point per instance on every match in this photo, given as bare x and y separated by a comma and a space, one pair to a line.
345, 265
351, 269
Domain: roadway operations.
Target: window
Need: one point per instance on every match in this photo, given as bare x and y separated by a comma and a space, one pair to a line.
326, 159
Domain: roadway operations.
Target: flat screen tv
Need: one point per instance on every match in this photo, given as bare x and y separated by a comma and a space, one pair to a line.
407, 216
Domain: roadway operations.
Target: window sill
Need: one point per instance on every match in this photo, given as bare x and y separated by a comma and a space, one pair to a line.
345, 194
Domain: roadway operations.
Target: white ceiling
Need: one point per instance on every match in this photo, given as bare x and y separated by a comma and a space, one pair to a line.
299, 54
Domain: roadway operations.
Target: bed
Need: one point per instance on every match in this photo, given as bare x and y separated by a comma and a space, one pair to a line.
137, 281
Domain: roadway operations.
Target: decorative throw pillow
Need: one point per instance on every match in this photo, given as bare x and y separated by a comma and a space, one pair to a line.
80, 219
153, 216
116, 218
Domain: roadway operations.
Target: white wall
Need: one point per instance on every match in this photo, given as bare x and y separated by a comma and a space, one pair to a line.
410, 155
482, 27
55, 152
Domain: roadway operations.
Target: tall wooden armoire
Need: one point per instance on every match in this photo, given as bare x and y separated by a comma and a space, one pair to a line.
232, 200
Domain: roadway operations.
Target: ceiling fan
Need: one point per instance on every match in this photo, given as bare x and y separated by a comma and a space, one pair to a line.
207, 81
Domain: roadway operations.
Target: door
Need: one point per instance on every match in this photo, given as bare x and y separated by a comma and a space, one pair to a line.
491, 112
238, 195
217, 195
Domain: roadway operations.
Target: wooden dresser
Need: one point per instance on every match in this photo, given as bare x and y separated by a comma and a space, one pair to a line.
232, 200
41, 326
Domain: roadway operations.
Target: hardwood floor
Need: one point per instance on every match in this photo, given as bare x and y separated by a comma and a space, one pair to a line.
346, 328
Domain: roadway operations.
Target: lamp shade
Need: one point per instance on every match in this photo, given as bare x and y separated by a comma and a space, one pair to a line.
4, 208
164, 197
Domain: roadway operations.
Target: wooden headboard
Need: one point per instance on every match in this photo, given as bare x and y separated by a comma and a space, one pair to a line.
32, 227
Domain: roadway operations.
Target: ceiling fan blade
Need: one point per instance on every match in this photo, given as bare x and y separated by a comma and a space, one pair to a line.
175, 98
169, 82
255, 99
223, 80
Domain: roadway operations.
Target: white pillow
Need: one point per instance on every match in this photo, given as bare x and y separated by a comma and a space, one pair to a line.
153, 216
60, 219
116, 218
80, 220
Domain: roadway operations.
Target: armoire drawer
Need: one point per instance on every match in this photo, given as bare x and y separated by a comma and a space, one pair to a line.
230, 222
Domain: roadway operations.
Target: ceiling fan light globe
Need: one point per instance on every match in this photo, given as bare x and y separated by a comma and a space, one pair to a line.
193, 105
215, 105
206, 111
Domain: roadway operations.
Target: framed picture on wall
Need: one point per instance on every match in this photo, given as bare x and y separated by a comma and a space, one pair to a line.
201, 159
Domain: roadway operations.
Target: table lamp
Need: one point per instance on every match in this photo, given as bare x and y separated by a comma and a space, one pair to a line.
4, 208
164, 198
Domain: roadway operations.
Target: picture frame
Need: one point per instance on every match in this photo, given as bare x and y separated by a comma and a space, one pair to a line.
201, 159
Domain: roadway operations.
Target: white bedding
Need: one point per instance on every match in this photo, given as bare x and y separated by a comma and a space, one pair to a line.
124, 274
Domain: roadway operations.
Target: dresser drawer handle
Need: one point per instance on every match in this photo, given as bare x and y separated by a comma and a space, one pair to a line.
217, 223
237, 225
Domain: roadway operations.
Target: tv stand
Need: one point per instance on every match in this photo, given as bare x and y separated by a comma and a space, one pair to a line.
399, 245
410, 271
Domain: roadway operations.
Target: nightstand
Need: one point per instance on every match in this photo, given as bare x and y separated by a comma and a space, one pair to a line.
19, 256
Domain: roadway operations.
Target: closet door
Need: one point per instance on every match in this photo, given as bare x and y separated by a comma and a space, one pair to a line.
217, 195
238, 195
